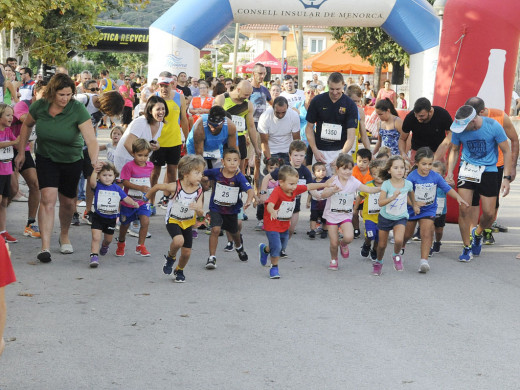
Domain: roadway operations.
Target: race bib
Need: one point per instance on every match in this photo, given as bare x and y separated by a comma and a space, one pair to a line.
285, 211
214, 154
319, 192
331, 132
140, 181
373, 204
6, 154
239, 122
341, 203
425, 193
32, 137
270, 191
470, 172
108, 202
440, 206
225, 195
181, 211
398, 206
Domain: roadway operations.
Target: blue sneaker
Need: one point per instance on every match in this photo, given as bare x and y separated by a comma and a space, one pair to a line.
273, 273
365, 250
373, 254
466, 255
179, 276
263, 254
153, 211
476, 243
168, 264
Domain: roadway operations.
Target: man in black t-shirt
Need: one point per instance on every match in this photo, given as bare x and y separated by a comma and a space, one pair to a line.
430, 126
336, 119
182, 84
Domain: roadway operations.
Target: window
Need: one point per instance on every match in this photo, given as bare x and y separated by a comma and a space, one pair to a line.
316, 45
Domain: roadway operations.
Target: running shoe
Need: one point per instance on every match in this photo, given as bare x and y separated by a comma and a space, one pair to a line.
211, 263
283, 254
44, 256
466, 255
398, 262
377, 268
120, 251
344, 250
242, 255
262, 254
488, 237
417, 235
357, 233
476, 242
94, 261
497, 228
311, 234
179, 276
229, 247
8, 238
333, 265
153, 211
259, 226
75, 219
104, 250
436, 247
323, 234
365, 250
424, 267
373, 254
273, 272
141, 250
168, 264
194, 234
32, 231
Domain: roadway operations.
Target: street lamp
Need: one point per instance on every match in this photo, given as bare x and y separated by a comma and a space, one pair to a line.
439, 6
283, 31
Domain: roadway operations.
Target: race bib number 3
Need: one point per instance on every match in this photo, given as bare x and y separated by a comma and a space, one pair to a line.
373, 204
286, 210
331, 132
470, 172
108, 202
342, 203
6, 154
181, 211
225, 195
140, 181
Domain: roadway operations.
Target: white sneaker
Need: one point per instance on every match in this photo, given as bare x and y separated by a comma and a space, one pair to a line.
424, 267
259, 226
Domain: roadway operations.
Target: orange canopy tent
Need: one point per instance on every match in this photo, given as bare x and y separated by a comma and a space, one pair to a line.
336, 59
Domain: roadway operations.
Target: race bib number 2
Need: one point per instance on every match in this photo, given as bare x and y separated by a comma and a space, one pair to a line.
108, 202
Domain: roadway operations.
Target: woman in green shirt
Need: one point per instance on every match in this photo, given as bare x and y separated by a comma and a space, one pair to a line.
62, 124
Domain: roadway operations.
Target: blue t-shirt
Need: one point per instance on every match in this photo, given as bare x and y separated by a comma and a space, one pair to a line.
106, 200
441, 195
225, 195
398, 208
304, 176
212, 142
480, 147
425, 190
303, 121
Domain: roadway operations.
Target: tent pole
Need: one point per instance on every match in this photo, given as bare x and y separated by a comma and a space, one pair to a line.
235, 52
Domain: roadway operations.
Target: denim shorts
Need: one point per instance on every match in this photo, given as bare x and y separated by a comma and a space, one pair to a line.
386, 225
277, 242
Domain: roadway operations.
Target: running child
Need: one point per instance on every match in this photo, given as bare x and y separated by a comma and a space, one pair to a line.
186, 203
425, 183
297, 151
107, 196
440, 215
340, 205
370, 211
225, 203
136, 182
395, 191
317, 204
271, 165
362, 173
277, 215
7, 141
115, 135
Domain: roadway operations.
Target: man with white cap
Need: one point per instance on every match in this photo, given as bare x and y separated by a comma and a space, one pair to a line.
480, 137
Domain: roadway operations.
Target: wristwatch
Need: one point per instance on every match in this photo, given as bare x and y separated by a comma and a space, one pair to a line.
508, 177
263, 192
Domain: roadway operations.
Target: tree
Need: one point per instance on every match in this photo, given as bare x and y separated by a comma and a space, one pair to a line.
49, 29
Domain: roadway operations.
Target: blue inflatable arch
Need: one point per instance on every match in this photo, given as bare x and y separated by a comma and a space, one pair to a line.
178, 35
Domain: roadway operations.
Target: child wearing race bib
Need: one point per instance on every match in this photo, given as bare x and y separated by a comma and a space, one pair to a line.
225, 203
440, 215
340, 205
115, 135
271, 165
370, 211
395, 191
107, 196
425, 183
136, 182
297, 151
7, 143
186, 202
317, 205
362, 173
277, 215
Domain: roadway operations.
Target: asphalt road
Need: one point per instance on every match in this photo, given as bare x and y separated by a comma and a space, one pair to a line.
126, 325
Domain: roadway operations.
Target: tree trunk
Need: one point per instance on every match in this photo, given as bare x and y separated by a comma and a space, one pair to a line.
377, 78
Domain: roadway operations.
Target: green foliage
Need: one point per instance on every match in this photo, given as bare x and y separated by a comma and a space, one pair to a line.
208, 65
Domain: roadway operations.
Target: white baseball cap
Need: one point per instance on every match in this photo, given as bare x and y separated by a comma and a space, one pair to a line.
164, 80
463, 116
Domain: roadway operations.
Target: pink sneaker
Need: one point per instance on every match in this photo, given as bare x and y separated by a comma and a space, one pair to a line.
377, 268
333, 265
344, 250
398, 262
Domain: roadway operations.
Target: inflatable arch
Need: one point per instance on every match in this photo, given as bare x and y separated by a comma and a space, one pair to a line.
178, 35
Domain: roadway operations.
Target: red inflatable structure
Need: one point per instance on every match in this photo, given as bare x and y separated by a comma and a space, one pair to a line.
478, 57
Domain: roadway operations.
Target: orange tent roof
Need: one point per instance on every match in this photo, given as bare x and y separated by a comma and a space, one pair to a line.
335, 59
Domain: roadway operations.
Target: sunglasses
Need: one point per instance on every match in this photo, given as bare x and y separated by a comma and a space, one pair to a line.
93, 89
127, 79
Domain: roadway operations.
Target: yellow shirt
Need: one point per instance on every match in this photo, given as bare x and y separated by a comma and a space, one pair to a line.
371, 207
171, 132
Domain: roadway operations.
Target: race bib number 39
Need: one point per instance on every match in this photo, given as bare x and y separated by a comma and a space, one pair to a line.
331, 132
225, 195
181, 211
342, 203
108, 202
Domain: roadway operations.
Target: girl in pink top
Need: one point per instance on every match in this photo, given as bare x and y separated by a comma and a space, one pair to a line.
338, 209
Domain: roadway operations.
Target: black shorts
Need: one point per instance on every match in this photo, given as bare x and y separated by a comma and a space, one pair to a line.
106, 225
227, 222
242, 147
476, 196
63, 176
308, 156
5, 185
317, 215
87, 165
176, 230
28, 163
127, 115
170, 156
487, 186
440, 221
